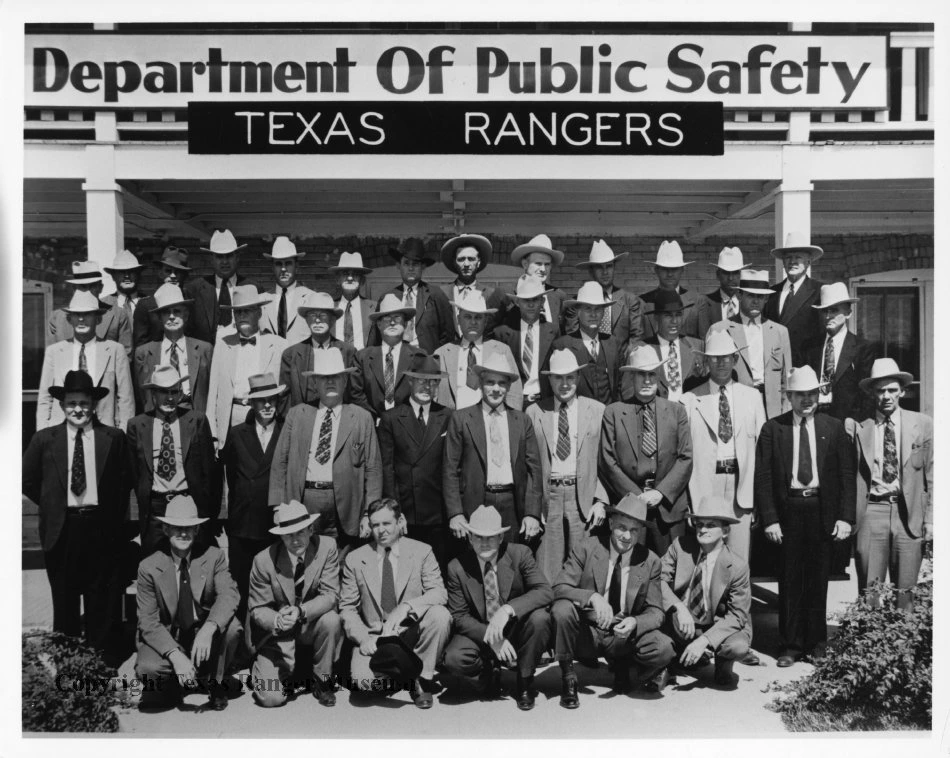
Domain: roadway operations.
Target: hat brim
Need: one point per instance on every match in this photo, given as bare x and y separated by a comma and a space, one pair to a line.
666, 265
516, 296
652, 367
398, 256
484, 311
731, 270
905, 379
338, 269
723, 519
59, 393
284, 257
103, 308
407, 312
223, 252
479, 370
552, 372
481, 244
111, 271
182, 521
278, 390
177, 266
575, 303
816, 388
487, 532
344, 370
151, 386
254, 304
589, 263
86, 280
185, 301
613, 509
421, 375
519, 253
733, 352
302, 310
757, 290
813, 250
294, 527
837, 302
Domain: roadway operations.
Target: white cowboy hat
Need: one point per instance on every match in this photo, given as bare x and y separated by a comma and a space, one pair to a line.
496, 363
885, 368
540, 243
319, 301
670, 255
600, 255
350, 262
181, 511
528, 287
755, 282
803, 379
563, 362
292, 517
590, 293
85, 302
643, 358
85, 272
730, 259
169, 295
264, 385
247, 296
485, 521
330, 363
797, 242
123, 261
392, 304
283, 249
223, 243
720, 343
474, 303
834, 294
164, 377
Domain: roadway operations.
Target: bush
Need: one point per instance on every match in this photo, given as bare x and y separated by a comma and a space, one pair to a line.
875, 673
66, 686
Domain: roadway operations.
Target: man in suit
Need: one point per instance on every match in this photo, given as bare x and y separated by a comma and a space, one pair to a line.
104, 360
465, 256
433, 324
125, 272
146, 325
459, 387
608, 602
280, 315
645, 448
76, 473
538, 258
805, 498
327, 457
115, 324
791, 298
669, 267
765, 353
894, 484
491, 458
567, 428
171, 454
392, 587
623, 318
499, 599
353, 327
411, 445
721, 304
247, 456
237, 356
191, 357
294, 591
186, 604
707, 594
531, 341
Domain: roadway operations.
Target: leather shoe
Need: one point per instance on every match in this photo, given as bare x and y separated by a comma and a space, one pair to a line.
217, 701
421, 695
569, 692
323, 693
786, 660
724, 675
526, 693
750, 659
657, 683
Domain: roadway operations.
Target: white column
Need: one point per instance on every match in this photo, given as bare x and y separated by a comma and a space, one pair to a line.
793, 197
105, 225
909, 84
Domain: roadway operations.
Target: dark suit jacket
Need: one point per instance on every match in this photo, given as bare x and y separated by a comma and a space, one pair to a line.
836, 470
435, 322
706, 312
149, 355
803, 322
204, 311
626, 316
854, 364
521, 584
299, 358
649, 320
612, 349
412, 461
512, 338
556, 298
247, 469
46, 477
369, 382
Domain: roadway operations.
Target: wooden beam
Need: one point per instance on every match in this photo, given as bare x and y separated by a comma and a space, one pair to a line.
751, 206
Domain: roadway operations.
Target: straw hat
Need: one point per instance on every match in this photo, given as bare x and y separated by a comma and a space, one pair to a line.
85, 302
720, 343
496, 363
452, 246
590, 293
643, 358
803, 379
834, 294
223, 243
632, 506
330, 364
123, 261
474, 303
85, 272
563, 362
670, 255
730, 259
391, 304
713, 508
164, 377
797, 242
885, 368
169, 295
319, 301
528, 287
247, 296
350, 262
283, 249
181, 511
264, 385
755, 282
292, 517
540, 243
600, 255
78, 381
485, 521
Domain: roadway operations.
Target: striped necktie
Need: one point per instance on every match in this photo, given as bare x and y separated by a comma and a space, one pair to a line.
563, 448
695, 597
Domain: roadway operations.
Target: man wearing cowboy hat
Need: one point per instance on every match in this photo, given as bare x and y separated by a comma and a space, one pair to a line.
669, 267
125, 272
115, 324
532, 340
491, 458
608, 603
104, 360
186, 603
538, 258
894, 483
645, 448
294, 593
791, 298
723, 303
76, 473
567, 428
597, 352
392, 587
411, 445
247, 456
842, 360
146, 325
381, 375
433, 324
498, 598
190, 356
171, 454
353, 326
465, 256
805, 499
280, 315
327, 457
238, 355
707, 593
765, 353
460, 387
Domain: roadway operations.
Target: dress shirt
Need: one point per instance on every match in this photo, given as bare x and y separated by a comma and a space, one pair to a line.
246, 364
624, 573
395, 349
315, 348
415, 303
291, 302
756, 351
182, 349
121, 300
498, 474
546, 310
878, 487
708, 568
426, 409
465, 396
90, 495
789, 288
725, 300
194, 594
178, 480
568, 467
810, 427
532, 385
592, 344
356, 311
92, 355
724, 450
317, 472
393, 559
264, 433
837, 341
664, 355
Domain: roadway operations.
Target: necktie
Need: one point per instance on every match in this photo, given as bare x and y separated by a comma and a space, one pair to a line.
78, 484
890, 452
492, 595
185, 617
695, 597
494, 438
389, 375
282, 313
648, 440
224, 305
127, 305
828, 371
472, 358
422, 419
731, 309
323, 443
605, 318
83, 365
613, 592
673, 368
563, 447
725, 416
471, 378
387, 590
248, 340
173, 355
166, 453
804, 455
410, 334
348, 323
791, 292
298, 580
527, 354
592, 348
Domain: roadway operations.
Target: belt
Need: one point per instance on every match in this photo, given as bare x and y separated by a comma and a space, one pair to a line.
499, 488
169, 495
647, 484
805, 493
892, 499
728, 466
318, 485
563, 481
760, 388
84, 510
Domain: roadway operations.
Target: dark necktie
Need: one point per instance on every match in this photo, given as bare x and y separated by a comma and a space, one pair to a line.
323, 442
472, 359
788, 298
527, 355
648, 440
166, 453
593, 348
563, 447
471, 378
422, 419
613, 592
828, 372
348, 323
725, 416
83, 365
224, 305
804, 455
298, 580
173, 355
248, 340
410, 333
492, 595
282, 313
185, 617
695, 597
889, 472
78, 484
387, 590
389, 375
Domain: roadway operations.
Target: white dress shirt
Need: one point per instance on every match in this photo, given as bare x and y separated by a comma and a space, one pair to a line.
810, 429
121, 299
561, 468
837, 341
756, 351
497, 473
89, 496
181, 348
356, 311
465, 396
878, 487
177, 482
426, 409
725, 300
246, 364
322, 472
532, 385
92, 355
264, 433
789, 289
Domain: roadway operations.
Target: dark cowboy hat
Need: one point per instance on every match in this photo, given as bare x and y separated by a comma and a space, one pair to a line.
78, 381
395, 657
175, 257
668, 301
413, 249
450, 248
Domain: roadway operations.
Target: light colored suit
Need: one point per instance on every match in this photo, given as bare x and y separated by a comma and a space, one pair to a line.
449, 358
297, 328
111, 371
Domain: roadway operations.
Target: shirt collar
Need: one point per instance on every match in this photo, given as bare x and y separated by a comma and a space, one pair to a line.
393, 550
416, 406
232, 281
746, 320
726, 298
624, 559
664, 340
294, 558
177, 561
487, 409
332, 410
797, 420
879, 417
478, 342
714, 388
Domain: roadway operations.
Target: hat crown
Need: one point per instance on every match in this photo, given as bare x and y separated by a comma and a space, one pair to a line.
167, 295
644, 358
125, 260
283, 248
730, 259
181, 508
797, 239
710, 507
164, 376
486, 520
667, 300
541, 240
832, 294
631, 505
563, 362
720, 343
78, 381
83, 302
413, 248
883, 368
223, 242
496, 362
88, 271
425, 365
321, 301
330, 363
175, 255
289, 514
802, 379
528, 287
591, 293
670, 254
753, 276
600, 252
259, 382
350, 260
246, 296
389, 304
474, 303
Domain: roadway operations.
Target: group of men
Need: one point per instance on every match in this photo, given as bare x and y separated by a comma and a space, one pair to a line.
448, 481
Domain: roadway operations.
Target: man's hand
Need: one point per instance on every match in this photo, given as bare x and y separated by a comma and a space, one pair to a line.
652, 497
603, 613
505, 652
368, 646
201, 648
694, 651
625, 628
286, 618
530, 527
459, 526
364, 528
495, 632
395, 619
685, 623
184, 670
773, 533
841, 531
597, 515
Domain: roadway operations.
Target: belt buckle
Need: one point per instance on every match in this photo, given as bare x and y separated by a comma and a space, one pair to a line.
809, 492
649, 484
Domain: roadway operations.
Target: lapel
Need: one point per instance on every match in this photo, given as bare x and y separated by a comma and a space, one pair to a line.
347, 424
474, 585
371, 575
402, 365
61, 453
506, 575
104, 354
609, 348
167, 581
585, 428
253, 445
910, 431
797, 301
108, 318
720, 578
547, 426
432, 428
598, 565
410, 424
186, 422
636, 577
375, 356
617, 309
547, 337
406, 559
191, 346
737, 332
821, 442
145, 439
285, 572
848, 349
450, 354
686, 358
422, 299
631, 425
514, 439
228, 348
708, 406
311, 569
663, 421
866, 441
476, 428
102, 449
787, 446
198, 574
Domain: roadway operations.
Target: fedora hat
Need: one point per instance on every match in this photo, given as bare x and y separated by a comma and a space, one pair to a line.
563, 362
223, 243
590, 293
528, 287
885, 368
350, 262
264, 385
755, 282
164, 377
643, 358
452, 246
181, 511
319, 301
540, 243
246, 296
803, 379
474, 303
485, 521
330, 364
730, 259
85, 302
834, 294
176, 257
424, 367
720, 343
291, 517
713, 508
496, 363
85, 272
123, 261
391, 304
631, 505
283, 249
797, 242
668, 301
413, 249
167, 296
78, 381
600, 255
670, 255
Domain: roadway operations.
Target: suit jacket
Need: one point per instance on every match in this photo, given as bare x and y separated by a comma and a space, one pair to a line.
357, 474
612, 349
465, 466
247, 469
730, 590
803, 322
149, 355
112, 372
494, 298
297, 327
412, 462
692, 368
590, 413
620, 450
511, 337
221, 386
114, 325
418, 585
521, 584
836, 470
649, 320
916, 454
197, 455
369, 383
585, 572
215, 593
366, 308
449, 358
748, 415
626, 316
776, 361
299, 358
848, 400
435, 322
204, 311
46, 467
555, 297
